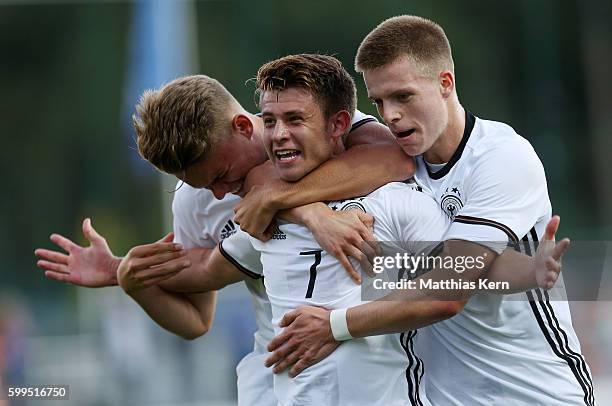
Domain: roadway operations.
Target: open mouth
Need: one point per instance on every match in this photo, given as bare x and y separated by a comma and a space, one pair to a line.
286, 154
405, 134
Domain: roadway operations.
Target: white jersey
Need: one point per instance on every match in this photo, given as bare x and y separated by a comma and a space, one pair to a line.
363, 371
515, 349
200, 220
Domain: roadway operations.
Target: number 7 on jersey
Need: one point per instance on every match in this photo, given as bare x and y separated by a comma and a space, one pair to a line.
313, 270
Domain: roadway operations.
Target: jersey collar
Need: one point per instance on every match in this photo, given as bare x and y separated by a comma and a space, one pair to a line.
470, 120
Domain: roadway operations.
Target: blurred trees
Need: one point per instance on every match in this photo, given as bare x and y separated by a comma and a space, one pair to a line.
64, 155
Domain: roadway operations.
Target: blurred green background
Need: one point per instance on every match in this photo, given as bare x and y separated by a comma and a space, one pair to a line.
67, 152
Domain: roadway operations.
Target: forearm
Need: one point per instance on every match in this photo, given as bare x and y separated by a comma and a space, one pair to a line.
387, 317
356, 172
176, 312
303, 214
204, 275
514, 268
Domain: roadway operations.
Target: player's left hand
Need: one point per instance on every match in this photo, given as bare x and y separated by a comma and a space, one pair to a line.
306, 339
549, 254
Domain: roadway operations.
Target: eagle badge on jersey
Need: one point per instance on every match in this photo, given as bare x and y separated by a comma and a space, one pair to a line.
451, 202
348, 204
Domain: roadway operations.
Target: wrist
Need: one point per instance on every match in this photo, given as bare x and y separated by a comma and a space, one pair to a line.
113, 267
339, 325
276, 196
313, 213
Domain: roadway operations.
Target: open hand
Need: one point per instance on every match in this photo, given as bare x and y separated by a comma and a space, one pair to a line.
346, 234
549, 254
94, 266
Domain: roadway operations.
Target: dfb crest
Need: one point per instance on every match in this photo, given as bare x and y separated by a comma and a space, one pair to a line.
451, 202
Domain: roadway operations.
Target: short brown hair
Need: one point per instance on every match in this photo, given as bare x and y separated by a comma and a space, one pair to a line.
422, 40
182, 121
322, 75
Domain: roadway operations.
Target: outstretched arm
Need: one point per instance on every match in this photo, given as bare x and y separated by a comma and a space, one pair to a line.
308, 337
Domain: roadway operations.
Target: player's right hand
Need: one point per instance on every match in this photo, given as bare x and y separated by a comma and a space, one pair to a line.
94, 266
148, 265
346, 234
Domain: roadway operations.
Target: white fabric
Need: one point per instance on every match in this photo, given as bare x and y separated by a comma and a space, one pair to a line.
362, 371
495, 351
339, 325
200, 220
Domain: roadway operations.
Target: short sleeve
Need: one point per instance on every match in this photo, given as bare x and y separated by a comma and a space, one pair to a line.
238, 249
360, 119
187, 229
506, 195
409, 217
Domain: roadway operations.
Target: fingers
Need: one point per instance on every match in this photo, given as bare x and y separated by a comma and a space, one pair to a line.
363, 261
52, 266
560, 248
90, 233
278, 341
51, 256
551, 228
289, 317
63, 242
155, 248
311, 357
280, 354
370, 254
304, 362
167, 238
346, 264
286, 362
366, 219
164, 269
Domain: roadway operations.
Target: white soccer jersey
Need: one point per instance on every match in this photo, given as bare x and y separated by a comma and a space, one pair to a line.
363, 371
200, 220
516, 349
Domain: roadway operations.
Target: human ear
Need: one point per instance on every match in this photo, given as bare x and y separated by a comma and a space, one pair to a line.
242, 125
447, 83
340, 123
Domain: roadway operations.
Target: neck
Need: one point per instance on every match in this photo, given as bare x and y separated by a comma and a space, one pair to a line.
338, 148
448, 142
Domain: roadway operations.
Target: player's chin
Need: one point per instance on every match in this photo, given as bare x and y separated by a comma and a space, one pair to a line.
412, 149
291, 174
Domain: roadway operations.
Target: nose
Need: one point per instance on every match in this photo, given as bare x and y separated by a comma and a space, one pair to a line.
281, 133
219, 190
390, 113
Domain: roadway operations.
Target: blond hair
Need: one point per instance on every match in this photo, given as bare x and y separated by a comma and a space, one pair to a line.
322, 75
421, 40
179, 123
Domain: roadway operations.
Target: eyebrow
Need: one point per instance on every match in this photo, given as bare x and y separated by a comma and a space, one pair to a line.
406, 90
